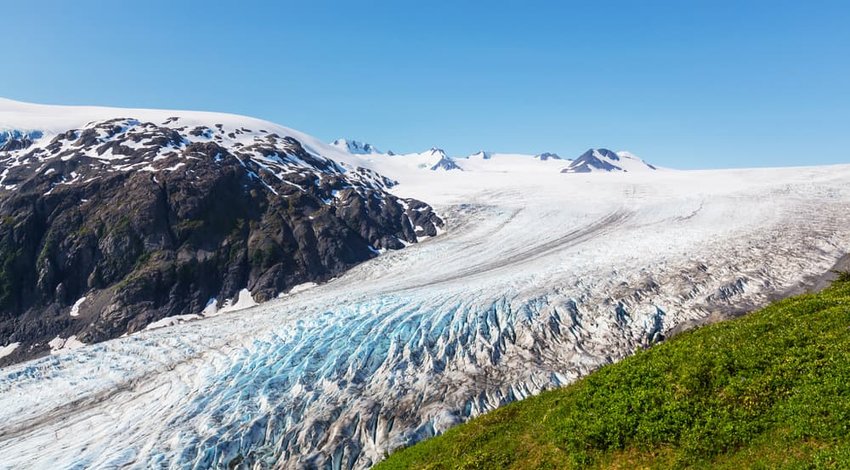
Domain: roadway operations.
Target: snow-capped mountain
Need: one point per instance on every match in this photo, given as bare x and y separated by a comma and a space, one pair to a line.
114, 218
13, 139
355, 147
441, 160
547, 156
604, 160
536, 279
435, 159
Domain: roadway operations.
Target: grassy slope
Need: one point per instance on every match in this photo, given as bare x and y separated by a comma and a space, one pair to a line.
769, 390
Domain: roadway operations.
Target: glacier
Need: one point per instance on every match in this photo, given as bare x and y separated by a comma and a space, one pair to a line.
531, 287
539, 278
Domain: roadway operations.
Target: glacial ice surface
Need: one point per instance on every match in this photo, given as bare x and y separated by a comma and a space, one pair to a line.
534, 284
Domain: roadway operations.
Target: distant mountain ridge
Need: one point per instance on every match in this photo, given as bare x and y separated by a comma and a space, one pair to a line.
594, 160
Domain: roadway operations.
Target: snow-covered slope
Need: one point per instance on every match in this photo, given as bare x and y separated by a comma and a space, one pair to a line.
497, 162
48, 121
539, 278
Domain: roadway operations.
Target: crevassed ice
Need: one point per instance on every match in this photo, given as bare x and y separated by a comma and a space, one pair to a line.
532, 286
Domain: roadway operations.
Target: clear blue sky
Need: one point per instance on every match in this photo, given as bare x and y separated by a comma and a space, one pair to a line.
686, 84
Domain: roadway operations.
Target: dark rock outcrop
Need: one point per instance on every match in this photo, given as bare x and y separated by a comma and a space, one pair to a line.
548, 156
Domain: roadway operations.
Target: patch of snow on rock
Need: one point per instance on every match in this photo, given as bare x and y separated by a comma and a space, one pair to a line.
58, 344
75, 309
244, 300
8, 349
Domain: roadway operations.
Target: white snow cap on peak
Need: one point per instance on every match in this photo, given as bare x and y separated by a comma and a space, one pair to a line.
440, 160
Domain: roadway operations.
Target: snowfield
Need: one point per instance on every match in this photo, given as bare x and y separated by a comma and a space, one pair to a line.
539, 278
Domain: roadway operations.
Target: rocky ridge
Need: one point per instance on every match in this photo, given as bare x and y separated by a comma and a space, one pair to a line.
109, 227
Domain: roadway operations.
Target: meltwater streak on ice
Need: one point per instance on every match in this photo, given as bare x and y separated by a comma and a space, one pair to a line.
532, 287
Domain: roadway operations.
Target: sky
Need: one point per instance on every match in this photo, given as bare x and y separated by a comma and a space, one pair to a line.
683, 84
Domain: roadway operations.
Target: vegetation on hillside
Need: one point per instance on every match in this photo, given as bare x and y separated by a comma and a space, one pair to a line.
769, 390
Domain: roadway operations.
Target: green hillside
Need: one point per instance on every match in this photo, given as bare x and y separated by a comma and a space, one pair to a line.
769, 390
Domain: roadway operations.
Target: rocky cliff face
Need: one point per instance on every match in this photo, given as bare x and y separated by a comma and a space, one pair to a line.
107, 228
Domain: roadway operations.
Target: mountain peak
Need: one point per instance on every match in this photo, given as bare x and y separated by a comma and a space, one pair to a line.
355, 146
604, 160
548, 156
441, 160
446, 163
482, 155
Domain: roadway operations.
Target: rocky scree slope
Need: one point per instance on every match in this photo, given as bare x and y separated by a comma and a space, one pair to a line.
109, 227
